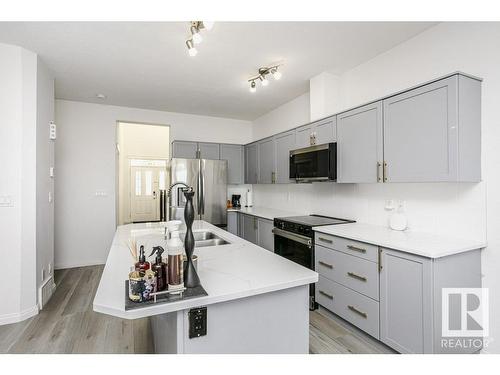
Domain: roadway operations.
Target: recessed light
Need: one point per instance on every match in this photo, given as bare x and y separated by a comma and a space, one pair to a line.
100, 96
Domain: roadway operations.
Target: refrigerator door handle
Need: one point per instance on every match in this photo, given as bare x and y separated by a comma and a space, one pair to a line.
198, 188
202, 189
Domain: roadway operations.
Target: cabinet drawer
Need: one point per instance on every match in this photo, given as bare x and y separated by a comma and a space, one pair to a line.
356, 248
354, 307
358, 274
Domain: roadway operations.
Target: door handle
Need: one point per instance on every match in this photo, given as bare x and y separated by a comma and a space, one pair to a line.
326, 294
358, 249
327, 265
356, 276
353, 309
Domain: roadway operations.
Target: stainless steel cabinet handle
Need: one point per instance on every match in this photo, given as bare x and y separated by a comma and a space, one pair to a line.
379, 260
326, 264
273, 177
378, 171
356, 276
326, 294
359, 249
325, 240
353, 309
385, 171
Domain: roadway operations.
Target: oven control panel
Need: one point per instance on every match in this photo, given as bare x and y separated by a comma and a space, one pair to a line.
303, 230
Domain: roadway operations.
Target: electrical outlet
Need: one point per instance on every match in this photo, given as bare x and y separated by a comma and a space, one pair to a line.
51, 172
52, 130
50, 268
6, 201
50, 197
197, 322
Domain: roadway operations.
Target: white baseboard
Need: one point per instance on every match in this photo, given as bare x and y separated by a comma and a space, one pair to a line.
74, 265
18, 317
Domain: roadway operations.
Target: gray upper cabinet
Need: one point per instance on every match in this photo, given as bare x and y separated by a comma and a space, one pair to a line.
325, 131
304, 136
266, 158
285, 142
316, 133
234, 154
251, 163
209, 150
432, 133
184, 150
266, 236
360, 145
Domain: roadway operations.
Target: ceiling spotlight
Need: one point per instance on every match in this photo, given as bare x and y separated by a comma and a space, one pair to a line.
196, 36
276, 74
208, 25
191, 49
252, 87
264, 81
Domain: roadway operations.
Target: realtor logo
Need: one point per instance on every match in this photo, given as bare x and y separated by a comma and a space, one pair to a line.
465, 312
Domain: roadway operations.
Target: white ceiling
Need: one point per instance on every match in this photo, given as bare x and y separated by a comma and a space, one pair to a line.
146, 65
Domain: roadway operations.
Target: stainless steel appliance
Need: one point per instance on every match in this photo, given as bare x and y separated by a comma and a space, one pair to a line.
315, 163
294, 240
209, 180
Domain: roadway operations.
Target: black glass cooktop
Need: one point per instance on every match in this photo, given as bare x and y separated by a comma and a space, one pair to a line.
315, 220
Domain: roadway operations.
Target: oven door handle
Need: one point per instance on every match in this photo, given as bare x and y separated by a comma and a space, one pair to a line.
294, 237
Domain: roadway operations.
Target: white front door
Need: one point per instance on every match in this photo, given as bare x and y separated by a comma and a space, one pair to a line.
145, 184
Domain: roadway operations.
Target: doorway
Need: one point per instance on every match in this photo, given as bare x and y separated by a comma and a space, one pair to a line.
143, 153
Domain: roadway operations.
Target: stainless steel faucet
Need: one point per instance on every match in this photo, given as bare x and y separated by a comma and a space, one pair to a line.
187, 188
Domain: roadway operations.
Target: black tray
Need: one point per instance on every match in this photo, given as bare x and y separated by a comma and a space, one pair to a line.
189, 293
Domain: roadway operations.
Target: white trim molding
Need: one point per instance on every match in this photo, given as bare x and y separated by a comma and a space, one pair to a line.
18, 317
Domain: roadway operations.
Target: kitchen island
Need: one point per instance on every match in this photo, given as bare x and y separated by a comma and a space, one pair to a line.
257, 301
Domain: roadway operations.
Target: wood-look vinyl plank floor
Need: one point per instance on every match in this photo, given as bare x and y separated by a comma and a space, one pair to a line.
67, 324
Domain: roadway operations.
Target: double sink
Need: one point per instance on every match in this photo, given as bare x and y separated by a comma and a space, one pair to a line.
205, 239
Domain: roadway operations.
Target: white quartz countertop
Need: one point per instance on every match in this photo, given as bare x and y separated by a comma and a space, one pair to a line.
227, 272
265, 213
423, 244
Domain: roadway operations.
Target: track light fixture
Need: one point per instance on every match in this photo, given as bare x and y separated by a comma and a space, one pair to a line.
196, 37
262, 76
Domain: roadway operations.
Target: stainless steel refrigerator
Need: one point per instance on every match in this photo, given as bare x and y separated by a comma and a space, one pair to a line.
209, 180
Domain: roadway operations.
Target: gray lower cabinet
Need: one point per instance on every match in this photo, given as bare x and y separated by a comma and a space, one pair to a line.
232, 222
250, 228
240, 226
234, 154
285, 142
432, 133
266, 236
360, 145
266, 156
252, 163
184, 149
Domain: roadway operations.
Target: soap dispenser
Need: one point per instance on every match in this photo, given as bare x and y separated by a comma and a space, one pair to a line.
398, 219
175, 262
142, 265
160, 269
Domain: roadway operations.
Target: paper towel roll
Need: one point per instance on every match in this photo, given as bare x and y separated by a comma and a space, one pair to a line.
249, 198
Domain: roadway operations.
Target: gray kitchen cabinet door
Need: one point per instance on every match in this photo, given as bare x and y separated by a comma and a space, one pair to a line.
240, 225
232, 222
209, 150
303, 136
234, 154
421, 133
285, 142
251, 163
360, 144
325, 131
406, 302
267, 156
266, 236
250, 228
184, 150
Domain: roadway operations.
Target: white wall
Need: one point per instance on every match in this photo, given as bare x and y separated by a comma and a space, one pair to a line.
138, 141
461, 210
18, 106
86, 162
294, 113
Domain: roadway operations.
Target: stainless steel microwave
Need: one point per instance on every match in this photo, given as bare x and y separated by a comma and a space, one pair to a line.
315, 163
